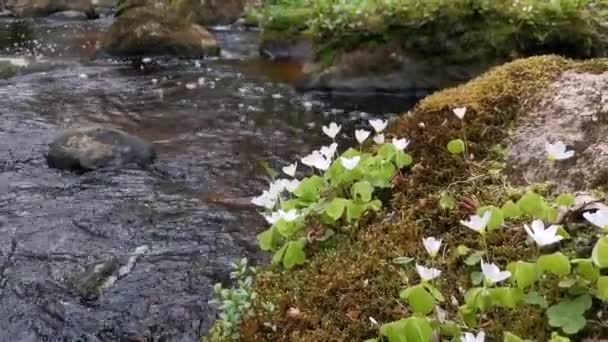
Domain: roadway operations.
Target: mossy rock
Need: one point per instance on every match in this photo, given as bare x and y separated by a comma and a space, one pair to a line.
144, 31
8, 70
353, 277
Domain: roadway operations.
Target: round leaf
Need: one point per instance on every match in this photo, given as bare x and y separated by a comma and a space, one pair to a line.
419, 299
555, 263
525, 274
496, 220
294, 254
600, 253
456, 146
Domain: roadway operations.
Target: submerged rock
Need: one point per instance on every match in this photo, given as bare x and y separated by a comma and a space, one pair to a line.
91, 148
69, 15
574, 111
42, 8
144, 31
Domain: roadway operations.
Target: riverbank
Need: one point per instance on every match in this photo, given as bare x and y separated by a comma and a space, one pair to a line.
352, 285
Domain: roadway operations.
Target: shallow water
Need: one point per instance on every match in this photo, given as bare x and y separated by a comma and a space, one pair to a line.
61, 232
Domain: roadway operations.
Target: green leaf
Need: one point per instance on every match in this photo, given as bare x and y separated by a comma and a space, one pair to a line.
394, 331
272, 173
268, 239
511, 210
403, 159
525, 274
450, 329
555, 337
387, 152
602, 288
418, 330
565, 200
362, 191
310, 188
468, 314
419, 299
532, 205
336, 208
403, 260
506, 297
288, 229
569, 314
535, 298
476, 278
508, 337
354, 211
497, 219
446, 201
434, 292
456, 146
474, 258
567, 282
462, 250
278, 255
478, 298
587, 270
294, 254
556, 263
413, 329
599, 255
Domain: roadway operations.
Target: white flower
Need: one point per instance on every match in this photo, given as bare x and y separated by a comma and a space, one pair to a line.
478, 223
460, 112
400, 144
316, 160
276, 188
332, 130
378, 125
290, 169
431, 245
264, 200
273, 218
289, 216
427, 274
469, 337
350, 163
329, 151
362, 135
558, 151
379, 139
542, 236
291, 185
493, 274
598, 218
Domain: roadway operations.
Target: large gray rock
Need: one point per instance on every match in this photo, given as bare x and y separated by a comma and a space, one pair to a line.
575, 111
145, 31
92, 148
42, 8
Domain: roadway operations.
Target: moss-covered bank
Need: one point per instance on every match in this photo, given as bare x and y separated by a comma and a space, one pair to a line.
353, 277
436, 33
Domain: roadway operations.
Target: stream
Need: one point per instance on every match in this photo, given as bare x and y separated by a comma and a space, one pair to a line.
157, 239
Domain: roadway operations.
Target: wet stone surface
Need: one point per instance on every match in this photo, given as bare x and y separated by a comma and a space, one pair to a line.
131, 254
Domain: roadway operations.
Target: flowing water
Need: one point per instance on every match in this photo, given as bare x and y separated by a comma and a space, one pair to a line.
157, 239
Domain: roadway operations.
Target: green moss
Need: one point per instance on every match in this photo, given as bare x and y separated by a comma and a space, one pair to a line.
8, 70
344, 285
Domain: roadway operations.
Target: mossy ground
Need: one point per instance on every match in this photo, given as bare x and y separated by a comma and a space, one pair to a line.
354, 278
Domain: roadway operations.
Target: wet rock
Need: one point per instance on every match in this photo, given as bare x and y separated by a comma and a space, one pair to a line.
4, 13
68, 15
575, 111
296, 49
144, 31
385, 69
92, 148
42, 8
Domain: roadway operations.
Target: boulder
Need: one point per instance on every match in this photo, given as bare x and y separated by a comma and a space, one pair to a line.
145, 31
96, 147
42, 8
574, 111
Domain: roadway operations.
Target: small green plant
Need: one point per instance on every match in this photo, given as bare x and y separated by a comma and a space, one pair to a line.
235, 303
340, 192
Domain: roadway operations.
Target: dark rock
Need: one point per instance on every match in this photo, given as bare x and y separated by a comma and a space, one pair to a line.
91, 148
43, 8
145, 31
213, 12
